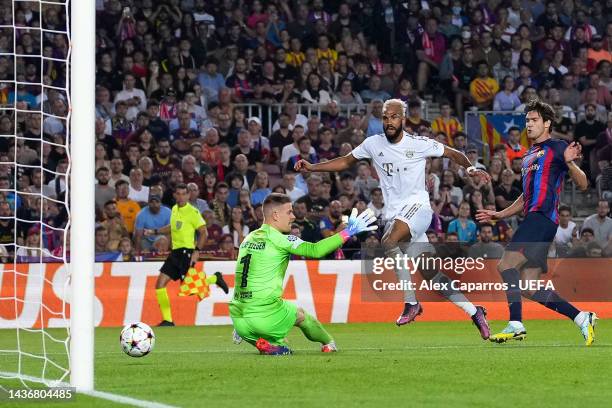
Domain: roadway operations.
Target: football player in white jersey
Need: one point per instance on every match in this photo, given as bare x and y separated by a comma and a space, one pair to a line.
399, 159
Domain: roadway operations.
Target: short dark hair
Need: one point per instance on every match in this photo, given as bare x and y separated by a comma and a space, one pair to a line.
545, 110
121, 182
513, 128
180, 186
565, 208
221, 185
589, 230
275, 199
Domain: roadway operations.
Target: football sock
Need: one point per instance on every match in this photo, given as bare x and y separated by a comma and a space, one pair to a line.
403, 275
164, 303
453, 295
211, 279
513, 294
314, 330
553, 301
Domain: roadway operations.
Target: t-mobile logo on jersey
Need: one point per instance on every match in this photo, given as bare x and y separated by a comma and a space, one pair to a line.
388, 168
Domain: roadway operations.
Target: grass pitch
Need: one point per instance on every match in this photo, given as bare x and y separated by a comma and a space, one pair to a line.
426, 364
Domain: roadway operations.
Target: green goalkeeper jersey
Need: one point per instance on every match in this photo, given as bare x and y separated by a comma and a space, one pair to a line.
262, 262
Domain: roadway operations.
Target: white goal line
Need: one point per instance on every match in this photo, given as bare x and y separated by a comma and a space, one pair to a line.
121, 399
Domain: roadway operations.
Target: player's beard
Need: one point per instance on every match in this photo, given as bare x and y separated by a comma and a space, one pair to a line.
395, 137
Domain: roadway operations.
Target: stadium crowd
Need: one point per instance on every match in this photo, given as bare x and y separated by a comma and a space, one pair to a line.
176, 80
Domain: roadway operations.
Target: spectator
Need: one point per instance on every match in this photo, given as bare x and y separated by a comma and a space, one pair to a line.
586, 133
414, 120
309, 231
210, 148
365, 183
600, 223
101, 240
506, 99
314, 93
346, 95
591, 97
483, 88
163, 162
514, 149
194, 198
219, 206
430, 49
304, 152
282, 136
290, 186
293, 149
314, 196
445, 122
566, 233
331, 117
506, 193
183, 137
135, 98
376, 203
486, 247
259, 142
116, 172
210, 80
127, 208
241, 167
244, 148
504, 68
190, 175
374, 91
261, 188
152, 217
463, 226
114, 225
456, 193
126, 251
330, 223
295, 118
486, 52
103, 192
138, 191
236, 227
58, 183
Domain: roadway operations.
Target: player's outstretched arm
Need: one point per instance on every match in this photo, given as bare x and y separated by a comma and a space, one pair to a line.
461, 159
337, 164
571, 153
488, 215
356, 224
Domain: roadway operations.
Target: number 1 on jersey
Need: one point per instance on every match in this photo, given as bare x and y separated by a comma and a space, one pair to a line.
245, 261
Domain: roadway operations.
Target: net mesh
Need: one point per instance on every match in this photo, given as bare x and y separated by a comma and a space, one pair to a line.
34, 184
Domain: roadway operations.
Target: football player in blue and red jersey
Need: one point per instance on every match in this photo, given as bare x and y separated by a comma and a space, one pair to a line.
544, 167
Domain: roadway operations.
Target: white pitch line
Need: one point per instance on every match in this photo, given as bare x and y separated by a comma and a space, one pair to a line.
121, 399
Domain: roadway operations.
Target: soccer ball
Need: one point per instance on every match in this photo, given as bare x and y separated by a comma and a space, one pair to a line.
137, 339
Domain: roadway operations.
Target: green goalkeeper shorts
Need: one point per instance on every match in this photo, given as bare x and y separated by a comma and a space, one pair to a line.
273, 324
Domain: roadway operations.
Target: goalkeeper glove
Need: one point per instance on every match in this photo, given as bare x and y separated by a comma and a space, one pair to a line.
360, 223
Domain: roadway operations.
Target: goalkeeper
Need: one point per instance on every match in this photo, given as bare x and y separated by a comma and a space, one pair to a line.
259, 314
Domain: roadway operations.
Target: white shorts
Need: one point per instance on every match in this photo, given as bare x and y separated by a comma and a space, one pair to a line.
417, 216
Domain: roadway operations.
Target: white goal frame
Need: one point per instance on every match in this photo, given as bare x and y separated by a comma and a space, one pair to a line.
81, 94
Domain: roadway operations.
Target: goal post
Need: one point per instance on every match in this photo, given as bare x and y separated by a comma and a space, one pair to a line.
82, 209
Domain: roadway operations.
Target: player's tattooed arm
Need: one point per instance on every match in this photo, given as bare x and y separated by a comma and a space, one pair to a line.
337, 164
571, 153
461, 159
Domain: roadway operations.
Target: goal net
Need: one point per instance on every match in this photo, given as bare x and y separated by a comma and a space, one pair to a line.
37, 159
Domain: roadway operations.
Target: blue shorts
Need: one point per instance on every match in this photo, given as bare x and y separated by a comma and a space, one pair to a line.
533, 238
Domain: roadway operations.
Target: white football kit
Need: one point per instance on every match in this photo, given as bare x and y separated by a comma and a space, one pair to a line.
401, 170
